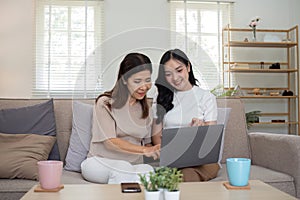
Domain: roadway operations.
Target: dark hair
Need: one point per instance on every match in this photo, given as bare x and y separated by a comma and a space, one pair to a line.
131, 64
165, 90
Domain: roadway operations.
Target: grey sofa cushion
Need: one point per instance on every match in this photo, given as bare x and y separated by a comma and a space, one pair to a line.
236, 142
36, 119
69, 177
80, 136
258, 173
223, 116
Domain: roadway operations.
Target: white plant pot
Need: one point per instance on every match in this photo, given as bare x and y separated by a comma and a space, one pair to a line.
152, 195
161, 196
174, 195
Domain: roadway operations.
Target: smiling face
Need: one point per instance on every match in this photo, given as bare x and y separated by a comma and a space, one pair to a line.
177, 75
138, 84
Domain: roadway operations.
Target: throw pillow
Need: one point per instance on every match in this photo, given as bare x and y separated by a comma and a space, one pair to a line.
80, 136
36, 119
223, 116
21, 152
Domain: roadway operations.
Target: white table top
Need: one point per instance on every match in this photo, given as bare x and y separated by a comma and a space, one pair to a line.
188, 191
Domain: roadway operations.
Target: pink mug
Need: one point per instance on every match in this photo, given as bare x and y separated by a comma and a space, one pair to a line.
49, 172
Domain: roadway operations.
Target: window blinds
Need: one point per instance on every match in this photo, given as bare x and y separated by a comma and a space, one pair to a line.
67, 56
196, 28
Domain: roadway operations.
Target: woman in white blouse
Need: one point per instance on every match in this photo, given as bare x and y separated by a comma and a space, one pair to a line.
180, 102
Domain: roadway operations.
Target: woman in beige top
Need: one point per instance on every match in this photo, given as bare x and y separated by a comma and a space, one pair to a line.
121, 132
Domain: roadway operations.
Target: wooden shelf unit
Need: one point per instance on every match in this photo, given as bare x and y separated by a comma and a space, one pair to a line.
289, 67
262, 44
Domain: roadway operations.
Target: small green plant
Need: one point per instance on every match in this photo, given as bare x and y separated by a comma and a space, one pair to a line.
219, 91
169, 178
162, 174
175, 177
150, 184
252, 117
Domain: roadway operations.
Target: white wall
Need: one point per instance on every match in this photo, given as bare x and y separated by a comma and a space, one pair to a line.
16, 26
131, 25
274, 14
134, 25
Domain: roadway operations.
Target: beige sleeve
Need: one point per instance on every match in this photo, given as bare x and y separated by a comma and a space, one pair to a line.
104, 125
147, 139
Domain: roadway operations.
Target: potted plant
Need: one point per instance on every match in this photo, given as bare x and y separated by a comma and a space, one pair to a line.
162, 174
150, 183
220, 92
169, 179
252, 117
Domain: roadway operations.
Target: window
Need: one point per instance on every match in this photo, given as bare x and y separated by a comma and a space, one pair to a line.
197, 29
68, 60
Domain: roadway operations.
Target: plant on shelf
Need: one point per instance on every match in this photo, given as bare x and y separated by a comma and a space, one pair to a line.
252, 117
253, 23
219, 91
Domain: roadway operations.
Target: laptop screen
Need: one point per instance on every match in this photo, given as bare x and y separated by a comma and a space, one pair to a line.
191, 146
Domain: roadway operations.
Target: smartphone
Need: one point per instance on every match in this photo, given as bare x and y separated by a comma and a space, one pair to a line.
130, 187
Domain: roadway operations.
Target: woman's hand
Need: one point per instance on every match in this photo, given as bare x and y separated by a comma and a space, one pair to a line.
197, 122
152, 151
121, 145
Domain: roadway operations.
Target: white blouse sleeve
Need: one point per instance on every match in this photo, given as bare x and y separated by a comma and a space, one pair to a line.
210, 108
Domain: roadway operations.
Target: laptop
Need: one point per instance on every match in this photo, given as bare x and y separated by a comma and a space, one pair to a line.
191, 146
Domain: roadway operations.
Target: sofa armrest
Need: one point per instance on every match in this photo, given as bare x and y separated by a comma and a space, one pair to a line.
278, 152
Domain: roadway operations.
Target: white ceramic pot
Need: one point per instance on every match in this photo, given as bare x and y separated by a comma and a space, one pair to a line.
152, 195
174, 195
161, 196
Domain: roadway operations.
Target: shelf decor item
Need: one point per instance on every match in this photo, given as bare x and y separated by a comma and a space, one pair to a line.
253, 24
220, 92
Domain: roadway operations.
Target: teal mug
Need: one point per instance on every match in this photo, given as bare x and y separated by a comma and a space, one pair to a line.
238, 171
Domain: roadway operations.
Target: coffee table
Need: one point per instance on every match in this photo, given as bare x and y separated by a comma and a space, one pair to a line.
189, 191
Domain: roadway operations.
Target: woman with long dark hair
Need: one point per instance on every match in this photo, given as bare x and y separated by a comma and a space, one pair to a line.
121, 131
181, 102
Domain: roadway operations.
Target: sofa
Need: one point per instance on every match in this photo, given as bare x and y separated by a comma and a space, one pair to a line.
275, 157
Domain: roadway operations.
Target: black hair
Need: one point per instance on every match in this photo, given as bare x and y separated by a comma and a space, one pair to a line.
131, 64
165, 90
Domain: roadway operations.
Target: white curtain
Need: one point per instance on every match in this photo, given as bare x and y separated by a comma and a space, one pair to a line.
67, 51
197, 30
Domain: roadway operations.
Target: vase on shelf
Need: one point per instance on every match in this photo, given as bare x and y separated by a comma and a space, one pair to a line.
254, 34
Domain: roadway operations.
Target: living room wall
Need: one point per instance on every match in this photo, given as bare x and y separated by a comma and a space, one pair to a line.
140, 25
